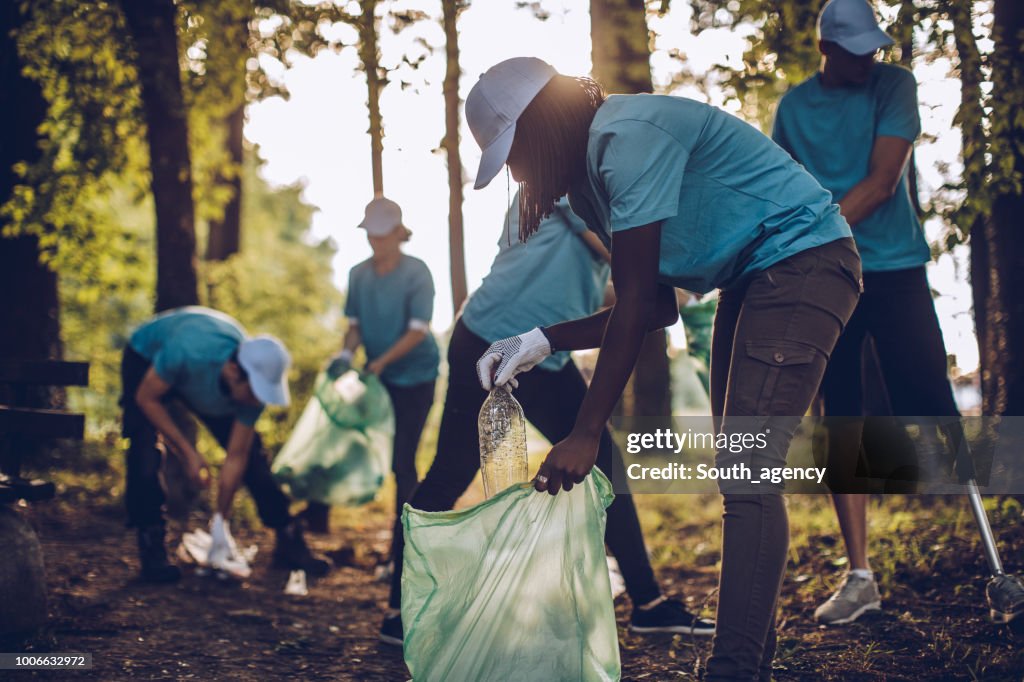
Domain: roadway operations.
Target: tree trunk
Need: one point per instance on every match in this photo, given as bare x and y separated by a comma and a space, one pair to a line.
369, 54
152, 24
972, 141
903, 33
29, 311
225, 234
451, 10
29, 304
621, 56
1005, 314
620, 47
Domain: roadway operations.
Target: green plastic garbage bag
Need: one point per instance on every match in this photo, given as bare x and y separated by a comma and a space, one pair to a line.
340, 449
513, 589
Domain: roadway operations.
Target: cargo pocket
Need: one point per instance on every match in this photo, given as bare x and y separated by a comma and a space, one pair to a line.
854, 275
778, 378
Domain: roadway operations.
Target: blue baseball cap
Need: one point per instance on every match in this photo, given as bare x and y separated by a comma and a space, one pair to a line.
852, 25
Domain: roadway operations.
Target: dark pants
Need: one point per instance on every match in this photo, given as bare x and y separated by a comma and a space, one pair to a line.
144, 498
550, 401
896, 309
772, 340
896, 312
412, 406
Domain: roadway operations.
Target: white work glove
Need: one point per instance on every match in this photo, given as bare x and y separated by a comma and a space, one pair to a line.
506, 358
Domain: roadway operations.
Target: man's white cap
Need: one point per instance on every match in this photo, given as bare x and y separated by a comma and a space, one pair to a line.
852, 25
381, 218
496, 102
266, 361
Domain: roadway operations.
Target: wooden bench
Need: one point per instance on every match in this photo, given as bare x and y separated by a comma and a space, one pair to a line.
20, 424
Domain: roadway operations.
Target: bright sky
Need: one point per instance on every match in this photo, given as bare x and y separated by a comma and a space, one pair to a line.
319, 137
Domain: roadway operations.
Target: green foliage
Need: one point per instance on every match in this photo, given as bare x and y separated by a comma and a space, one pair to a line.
782, 51
87, 197
74, 50
280, 284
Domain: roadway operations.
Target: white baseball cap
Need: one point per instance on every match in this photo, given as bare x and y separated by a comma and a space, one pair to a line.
382, 216
496, 102
852, 25
266, 361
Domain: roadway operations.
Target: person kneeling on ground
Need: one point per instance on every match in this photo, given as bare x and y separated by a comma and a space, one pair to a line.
204, 359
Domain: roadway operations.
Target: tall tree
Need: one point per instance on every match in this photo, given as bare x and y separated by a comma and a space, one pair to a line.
621, 57
225, 233
620, 49
226, 28
29, 313
376, 79
450, 18
1003, 349
153, 26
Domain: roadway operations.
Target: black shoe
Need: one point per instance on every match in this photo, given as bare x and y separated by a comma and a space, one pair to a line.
291, 552
153, 557
670, 616
391, 630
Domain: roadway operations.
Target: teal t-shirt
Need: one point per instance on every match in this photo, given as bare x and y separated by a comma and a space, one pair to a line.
188, 348
832, 131
731, 202
551, 278
384, 305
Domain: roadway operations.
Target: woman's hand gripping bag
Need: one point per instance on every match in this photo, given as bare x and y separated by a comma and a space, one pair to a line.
340, 449
513, 589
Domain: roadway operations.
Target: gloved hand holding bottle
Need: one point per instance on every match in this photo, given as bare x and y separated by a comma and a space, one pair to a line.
506, 358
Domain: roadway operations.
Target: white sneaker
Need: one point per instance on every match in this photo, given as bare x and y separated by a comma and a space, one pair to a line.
855, 597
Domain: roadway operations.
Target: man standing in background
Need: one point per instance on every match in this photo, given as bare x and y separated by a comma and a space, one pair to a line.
853, 126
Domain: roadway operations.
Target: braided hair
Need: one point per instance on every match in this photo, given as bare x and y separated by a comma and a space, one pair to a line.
551, 136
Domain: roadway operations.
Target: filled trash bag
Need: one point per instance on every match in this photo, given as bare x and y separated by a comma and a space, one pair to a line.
340, 449
515, 588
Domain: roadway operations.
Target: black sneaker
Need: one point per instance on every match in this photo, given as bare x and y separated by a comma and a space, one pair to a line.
153, 557
670, 616
291, 552
391, 630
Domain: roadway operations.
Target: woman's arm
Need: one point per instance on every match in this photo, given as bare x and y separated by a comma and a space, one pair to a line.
409, 340
588, 332
640, 307
596, 246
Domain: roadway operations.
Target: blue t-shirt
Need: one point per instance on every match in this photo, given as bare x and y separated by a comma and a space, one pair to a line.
551, 278
384, 305
188, 348
832, 131
731, 202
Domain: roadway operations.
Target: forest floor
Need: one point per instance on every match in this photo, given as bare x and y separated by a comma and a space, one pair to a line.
933, 627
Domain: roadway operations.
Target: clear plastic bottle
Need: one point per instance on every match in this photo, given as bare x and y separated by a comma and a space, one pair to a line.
502, 429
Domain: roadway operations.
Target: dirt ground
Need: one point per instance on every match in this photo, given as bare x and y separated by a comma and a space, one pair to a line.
933, 628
